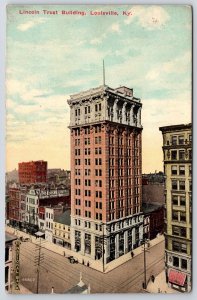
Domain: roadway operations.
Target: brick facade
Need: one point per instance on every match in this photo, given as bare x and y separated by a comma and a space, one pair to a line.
32, 172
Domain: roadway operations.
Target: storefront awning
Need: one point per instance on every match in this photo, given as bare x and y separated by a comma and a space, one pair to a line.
39, 233
177, 277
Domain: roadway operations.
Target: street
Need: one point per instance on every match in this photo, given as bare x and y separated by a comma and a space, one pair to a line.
56, 271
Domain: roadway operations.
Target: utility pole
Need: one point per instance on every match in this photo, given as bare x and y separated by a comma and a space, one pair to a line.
103, 72
103, 243
38, 259
144, 264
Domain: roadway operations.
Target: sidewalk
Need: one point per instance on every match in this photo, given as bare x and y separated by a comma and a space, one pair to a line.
160, 285
94, 264
23, 290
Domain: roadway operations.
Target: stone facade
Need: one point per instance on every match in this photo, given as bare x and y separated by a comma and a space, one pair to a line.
177, 151
106, 172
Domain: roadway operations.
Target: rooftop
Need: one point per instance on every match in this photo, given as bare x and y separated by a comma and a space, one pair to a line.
77, 289
122, 91
64, 218
176, 127
150, 207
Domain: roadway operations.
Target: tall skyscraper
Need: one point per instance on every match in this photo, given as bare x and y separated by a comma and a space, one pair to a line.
106, 172
177, 153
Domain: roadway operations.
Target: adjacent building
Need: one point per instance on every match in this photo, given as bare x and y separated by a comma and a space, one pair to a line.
32, 172
177, 153
9, 264
61, 229
106, 172
14, 205
50, 213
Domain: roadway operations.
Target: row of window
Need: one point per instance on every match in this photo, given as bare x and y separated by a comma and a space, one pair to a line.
87, 225
180, 185
180, 154
179, 263
179, 231
49, 225
179, 140
179, 200
88, 214
179, 247
57, 233
179, 216
180, 170
97, 129
88, 203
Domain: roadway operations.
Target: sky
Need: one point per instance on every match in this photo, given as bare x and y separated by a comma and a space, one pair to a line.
52, 56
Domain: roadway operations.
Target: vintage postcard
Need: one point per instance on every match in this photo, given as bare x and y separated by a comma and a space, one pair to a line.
98, 149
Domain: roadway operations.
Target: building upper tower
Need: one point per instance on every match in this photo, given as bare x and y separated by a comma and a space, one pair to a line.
105, 104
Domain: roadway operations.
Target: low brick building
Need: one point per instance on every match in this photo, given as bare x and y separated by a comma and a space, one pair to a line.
155, 214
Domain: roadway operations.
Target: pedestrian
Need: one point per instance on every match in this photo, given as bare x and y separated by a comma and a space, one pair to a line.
132, 254
88, 264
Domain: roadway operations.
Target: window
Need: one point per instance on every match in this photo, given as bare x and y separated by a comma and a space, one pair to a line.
181, 170
174, 184
182, 201
87, 203
87, 110
174, 155
87, 172
183, 231
182, 185
184, 264
175, 230
87, 193
176, 246
174, 199
179, 231
99, 205
181, 154
98, 194
182, 216
175, 261
181, 140
174, 140
87, 214
174, 170
78, 212
98, 216
190, 154
175, 215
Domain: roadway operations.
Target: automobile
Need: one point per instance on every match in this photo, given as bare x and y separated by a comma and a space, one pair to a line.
24, 239
72, 260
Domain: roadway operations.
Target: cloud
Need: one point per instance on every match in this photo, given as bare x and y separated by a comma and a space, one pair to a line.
161, 73
115, 27
26, 26
149, 17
